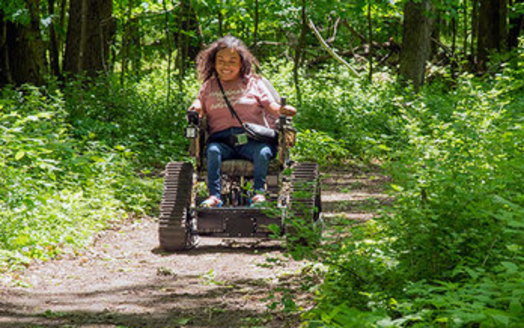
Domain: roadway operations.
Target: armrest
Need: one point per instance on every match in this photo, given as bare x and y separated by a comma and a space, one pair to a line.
197, 145
286, 138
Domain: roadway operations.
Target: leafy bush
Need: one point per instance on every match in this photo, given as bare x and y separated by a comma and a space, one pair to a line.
361, 119
319, 147
458, 195
449, 251
56, 191
491, 298
138, 116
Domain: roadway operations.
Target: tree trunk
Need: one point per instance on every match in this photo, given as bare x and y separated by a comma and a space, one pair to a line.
370, 32
54, 54
5, 67
136, 46
299, 51
416, 41
187, 45
90, 31
22, 49
474, 31
169, 51
220, 31
453, 47
515, 24
465, 39
492, 29
435, 36
124, 49
255, 30
61, 22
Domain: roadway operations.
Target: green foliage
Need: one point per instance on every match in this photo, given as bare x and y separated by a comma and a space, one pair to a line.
459, 193
361, 114
130, 117
57, 191
489, 299
340, 117
449, 251
15, 11
320, 147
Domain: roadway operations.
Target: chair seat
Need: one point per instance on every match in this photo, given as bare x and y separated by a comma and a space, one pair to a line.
242, 167
237, 167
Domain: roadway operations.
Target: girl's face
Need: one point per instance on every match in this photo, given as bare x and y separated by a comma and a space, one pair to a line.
228, 64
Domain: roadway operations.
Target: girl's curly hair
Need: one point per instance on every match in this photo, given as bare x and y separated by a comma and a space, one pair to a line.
206, 58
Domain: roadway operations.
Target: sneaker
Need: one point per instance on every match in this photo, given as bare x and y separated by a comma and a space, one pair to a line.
193, 242
211, 201
258, 200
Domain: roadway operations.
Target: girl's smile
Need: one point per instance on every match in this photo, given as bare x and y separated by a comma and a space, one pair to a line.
228, 64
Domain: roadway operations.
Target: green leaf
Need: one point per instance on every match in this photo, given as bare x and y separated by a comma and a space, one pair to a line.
511, 267
396, 187
384, 147
19, 155
182, 321
515, 307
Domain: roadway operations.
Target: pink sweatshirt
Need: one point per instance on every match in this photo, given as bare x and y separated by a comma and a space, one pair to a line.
250, 100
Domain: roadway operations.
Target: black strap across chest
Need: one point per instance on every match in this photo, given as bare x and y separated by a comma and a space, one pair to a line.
229, 106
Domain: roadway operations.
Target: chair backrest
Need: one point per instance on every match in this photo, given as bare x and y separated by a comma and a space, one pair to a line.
274, 93
271, 120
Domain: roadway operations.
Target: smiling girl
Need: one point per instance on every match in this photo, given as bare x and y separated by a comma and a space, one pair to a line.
229, 60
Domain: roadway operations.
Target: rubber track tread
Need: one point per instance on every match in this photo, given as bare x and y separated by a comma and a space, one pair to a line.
304, 188
172, 228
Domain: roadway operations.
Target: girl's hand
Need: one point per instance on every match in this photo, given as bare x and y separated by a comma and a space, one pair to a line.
288, 110
197, 107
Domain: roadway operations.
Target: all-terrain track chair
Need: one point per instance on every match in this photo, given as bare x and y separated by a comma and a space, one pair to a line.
293, 189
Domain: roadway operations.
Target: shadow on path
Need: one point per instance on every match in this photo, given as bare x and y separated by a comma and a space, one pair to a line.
162, 303
229, 246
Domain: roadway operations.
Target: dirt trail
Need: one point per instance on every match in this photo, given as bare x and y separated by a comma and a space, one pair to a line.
124, 280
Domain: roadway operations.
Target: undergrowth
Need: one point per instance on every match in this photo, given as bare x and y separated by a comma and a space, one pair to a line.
57, 191
448, 253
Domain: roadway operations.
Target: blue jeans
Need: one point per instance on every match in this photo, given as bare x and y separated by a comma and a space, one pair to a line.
257, 152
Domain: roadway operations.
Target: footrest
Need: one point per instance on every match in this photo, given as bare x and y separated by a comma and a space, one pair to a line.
235, 221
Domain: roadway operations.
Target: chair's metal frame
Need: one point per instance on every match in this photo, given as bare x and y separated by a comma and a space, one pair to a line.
181, 218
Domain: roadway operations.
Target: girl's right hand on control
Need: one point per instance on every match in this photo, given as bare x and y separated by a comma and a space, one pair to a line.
197, 107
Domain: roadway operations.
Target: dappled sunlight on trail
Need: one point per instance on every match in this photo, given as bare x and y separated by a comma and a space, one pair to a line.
125, 280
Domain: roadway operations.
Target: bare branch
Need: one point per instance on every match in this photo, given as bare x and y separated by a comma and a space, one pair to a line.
335, 29
329, 50
270, 43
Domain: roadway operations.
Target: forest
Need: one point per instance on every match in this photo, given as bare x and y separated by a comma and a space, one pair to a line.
93, 105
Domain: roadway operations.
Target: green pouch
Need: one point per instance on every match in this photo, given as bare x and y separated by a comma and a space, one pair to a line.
241, 139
